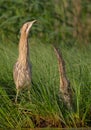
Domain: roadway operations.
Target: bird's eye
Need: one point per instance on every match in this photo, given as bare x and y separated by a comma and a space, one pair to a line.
27, 26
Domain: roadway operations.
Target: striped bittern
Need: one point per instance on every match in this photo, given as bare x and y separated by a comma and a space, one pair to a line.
22, 68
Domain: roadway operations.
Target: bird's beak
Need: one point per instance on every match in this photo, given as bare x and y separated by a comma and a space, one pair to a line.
33, 21
30, 25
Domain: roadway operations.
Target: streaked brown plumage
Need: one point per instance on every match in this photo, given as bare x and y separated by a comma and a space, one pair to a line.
22, 68
66, 92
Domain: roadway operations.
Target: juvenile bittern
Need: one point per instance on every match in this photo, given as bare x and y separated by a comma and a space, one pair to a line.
22, 68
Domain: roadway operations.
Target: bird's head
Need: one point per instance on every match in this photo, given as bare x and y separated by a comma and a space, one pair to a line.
26, 27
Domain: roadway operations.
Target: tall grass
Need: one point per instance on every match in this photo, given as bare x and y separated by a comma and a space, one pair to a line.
46, 108
59, 21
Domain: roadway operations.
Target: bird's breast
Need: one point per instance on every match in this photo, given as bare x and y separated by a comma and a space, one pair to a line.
22, 75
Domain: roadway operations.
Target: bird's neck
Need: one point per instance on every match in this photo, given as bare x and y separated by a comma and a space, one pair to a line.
23, 49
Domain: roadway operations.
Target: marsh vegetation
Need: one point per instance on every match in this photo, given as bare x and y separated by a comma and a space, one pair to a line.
65, 24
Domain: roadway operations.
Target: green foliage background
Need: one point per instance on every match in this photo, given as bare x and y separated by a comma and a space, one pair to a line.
65, 21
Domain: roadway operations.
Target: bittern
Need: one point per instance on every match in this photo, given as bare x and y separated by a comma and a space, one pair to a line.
22, 68
65, 89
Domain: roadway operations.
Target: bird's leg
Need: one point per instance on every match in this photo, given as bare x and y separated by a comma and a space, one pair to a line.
17, 93
29, 93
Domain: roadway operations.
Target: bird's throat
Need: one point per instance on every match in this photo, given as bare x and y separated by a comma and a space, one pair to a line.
23, 49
